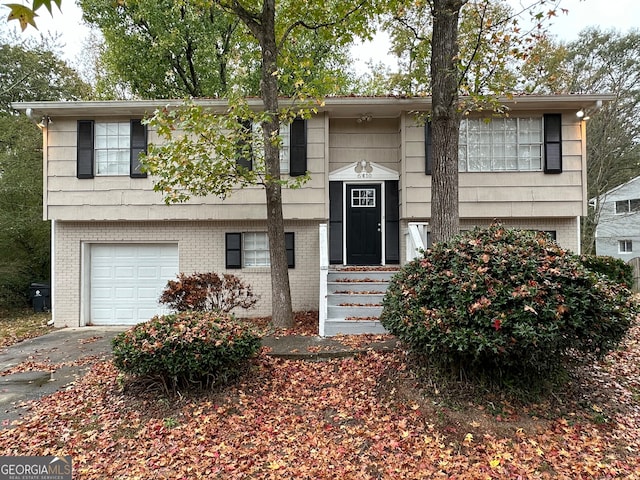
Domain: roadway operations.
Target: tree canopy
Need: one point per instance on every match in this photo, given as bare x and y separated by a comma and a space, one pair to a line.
31, 71
28, 72
170, 49
607, 61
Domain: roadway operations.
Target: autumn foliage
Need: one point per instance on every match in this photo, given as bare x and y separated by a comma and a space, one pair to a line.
208, 292
508, 302
186, 349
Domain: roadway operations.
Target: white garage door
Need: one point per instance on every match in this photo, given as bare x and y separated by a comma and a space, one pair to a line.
127, 280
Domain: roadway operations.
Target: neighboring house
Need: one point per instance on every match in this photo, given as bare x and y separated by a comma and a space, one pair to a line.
115, 243
618, 230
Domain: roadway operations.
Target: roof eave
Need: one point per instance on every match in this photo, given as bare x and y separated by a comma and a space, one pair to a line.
336, 106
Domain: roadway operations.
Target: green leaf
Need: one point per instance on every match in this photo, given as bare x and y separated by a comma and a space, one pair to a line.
23, 14
47, 3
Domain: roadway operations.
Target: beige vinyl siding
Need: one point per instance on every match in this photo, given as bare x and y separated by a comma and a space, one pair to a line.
565, 228
377, 141
123, 198
501, 194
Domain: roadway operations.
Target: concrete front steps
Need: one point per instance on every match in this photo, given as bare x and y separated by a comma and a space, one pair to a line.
354, 299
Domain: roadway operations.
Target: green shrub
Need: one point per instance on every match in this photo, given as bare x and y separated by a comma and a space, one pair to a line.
505, 302
615, 269
207, 292
186, 349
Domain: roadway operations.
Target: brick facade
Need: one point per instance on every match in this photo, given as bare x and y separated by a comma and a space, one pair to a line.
201, 247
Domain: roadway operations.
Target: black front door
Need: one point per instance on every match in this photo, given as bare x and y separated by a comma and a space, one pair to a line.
364, 228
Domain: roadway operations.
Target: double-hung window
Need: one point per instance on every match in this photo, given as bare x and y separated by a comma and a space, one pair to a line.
285, 143
110, 148
293, 148
625, 246
255, 249
251, 249
112, 143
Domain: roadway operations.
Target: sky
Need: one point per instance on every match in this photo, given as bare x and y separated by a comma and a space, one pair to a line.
622, 15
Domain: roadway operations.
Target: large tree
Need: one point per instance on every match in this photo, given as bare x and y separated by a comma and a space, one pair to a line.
28, 72
286, 39
165, 49
174, 49
472, 49
286, 67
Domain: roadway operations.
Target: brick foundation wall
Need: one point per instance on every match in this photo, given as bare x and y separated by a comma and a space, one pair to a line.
201, 247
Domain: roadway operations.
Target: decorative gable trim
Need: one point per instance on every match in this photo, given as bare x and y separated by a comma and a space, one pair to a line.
363, 171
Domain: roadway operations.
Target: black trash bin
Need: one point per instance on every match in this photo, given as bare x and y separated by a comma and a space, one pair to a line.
40, 297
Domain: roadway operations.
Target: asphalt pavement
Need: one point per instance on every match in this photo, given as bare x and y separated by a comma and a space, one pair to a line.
47, 364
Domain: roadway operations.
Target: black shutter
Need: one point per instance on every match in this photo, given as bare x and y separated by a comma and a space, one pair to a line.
233, 250
428, 155
552, 143
244, 155
85, 149
138, 146
335, 222
392, 222
298, 148
290, 244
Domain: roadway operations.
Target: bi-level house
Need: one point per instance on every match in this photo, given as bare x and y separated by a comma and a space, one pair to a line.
367, 205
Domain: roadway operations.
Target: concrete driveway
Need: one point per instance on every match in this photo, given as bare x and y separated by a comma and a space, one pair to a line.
55, 360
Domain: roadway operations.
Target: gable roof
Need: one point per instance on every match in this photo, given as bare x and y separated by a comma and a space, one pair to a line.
615, 190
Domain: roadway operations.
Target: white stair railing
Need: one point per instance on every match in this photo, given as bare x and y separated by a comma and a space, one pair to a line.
416, 239
324, 272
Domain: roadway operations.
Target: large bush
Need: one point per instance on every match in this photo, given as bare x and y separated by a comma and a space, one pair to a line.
616, 269
208, 292
186, 349
507, 302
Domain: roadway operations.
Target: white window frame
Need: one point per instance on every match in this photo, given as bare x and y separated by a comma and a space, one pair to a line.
255, 250
625, 246
112, 148
632, 206
494, 150
285, 144
363, 197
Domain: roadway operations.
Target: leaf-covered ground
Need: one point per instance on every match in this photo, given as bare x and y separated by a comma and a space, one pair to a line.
355, 418
16, 326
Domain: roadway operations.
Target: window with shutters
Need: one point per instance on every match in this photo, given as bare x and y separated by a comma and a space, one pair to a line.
292, 142
110, 148
501, 144
521, 144
112, 144
251, 249
285, 143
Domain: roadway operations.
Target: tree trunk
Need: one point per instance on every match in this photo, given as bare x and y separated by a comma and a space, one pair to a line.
281, 310
445, 119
